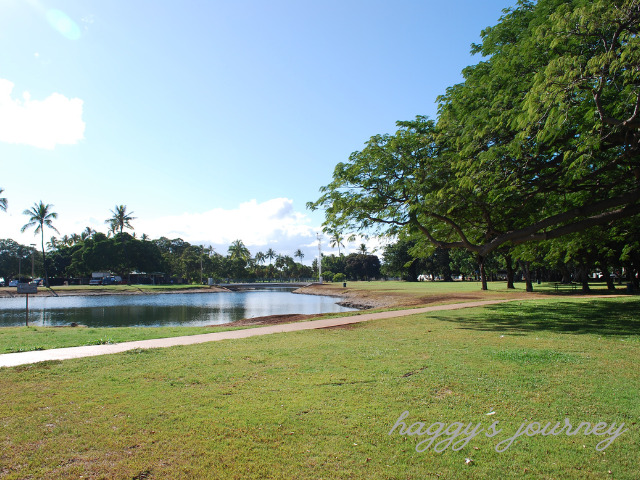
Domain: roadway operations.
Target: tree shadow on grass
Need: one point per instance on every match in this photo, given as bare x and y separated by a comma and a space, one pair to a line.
595, 317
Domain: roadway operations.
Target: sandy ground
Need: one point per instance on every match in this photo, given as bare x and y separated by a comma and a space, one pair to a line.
363, 299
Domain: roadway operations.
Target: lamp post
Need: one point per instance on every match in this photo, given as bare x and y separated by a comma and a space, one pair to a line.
33, 264
319, 237
201, 255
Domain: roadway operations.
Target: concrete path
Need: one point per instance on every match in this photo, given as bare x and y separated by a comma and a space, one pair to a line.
22, 358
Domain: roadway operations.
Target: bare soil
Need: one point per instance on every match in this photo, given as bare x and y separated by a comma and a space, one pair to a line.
271, 320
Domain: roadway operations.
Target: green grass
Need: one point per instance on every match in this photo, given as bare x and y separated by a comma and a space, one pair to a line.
438, 288
23, 339
608, 316
320, 404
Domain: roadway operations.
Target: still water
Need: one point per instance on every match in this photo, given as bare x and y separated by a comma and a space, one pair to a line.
162, 310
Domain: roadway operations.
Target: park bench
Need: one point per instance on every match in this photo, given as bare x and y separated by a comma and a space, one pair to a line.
571, 285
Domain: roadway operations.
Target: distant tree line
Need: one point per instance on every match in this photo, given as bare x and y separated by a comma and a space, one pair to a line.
355, 266
162, 260
77, 256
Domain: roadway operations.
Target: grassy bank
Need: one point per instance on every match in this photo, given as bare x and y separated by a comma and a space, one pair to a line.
23, 339
321, 404
111, 289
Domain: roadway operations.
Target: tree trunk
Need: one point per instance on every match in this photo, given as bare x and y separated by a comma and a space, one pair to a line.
510, 273
527, 275
44, 262
483, 274
584, 278
566, 274
607, 276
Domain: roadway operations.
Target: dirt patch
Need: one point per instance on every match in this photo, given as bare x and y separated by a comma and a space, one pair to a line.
443, 392
359, 299
348, 326
365, 299
270, 320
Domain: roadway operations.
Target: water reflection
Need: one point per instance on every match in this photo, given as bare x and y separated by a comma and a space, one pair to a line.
179, 309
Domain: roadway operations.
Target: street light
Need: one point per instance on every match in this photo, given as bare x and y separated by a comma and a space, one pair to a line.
319, 237
33, 264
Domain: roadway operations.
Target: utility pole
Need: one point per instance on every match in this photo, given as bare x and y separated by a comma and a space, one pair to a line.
319, 237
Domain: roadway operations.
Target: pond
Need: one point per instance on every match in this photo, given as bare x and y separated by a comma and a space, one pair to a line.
162, 310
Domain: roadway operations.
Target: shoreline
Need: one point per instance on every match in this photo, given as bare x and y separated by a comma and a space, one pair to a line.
347, 298
10, 292
358, 301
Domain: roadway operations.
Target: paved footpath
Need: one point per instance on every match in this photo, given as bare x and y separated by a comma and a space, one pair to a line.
22, 358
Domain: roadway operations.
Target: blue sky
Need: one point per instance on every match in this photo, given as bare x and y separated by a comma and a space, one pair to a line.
211, 120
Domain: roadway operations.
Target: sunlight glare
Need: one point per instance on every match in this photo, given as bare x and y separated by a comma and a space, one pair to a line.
61, 22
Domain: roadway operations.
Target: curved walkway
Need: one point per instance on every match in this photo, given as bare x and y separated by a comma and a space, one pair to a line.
22, 358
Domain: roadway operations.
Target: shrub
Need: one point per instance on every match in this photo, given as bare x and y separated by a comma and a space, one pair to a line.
339, 277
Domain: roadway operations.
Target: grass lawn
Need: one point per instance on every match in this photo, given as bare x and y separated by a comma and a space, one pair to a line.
439, 287
320, 404
23, 339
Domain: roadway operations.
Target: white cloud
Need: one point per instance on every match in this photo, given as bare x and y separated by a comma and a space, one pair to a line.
271, 224
56, 120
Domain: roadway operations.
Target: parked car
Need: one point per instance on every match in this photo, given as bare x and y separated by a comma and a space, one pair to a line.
2, 282
95, 281
14, 283
36, 281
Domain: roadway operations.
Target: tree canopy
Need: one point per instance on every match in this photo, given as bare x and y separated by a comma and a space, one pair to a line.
541, 140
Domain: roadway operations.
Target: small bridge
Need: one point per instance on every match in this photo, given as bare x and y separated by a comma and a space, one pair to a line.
263, 285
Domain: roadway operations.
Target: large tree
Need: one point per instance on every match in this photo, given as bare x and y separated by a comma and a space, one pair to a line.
539, 141
40, 216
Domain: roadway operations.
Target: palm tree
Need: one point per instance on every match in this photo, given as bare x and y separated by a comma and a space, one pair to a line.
337, 241
298, 254
121, 219
237, 249
40, 215
363, 249
53, 243
260, 258
3, 201
87, 233
271, 254
113, 228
